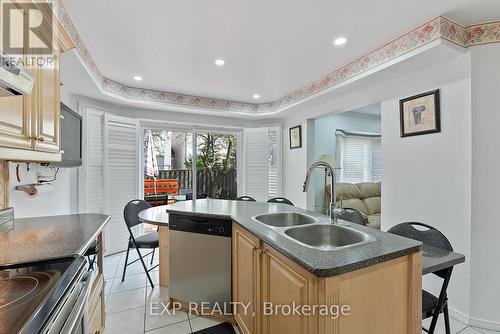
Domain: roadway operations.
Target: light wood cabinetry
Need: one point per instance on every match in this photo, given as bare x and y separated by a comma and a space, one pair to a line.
383, 298
29, 124
285, 283
96, 299
164, 236
246, 273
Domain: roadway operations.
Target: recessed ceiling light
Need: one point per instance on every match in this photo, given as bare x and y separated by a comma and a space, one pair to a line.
256, 96
219, 62
340, 41
137, 78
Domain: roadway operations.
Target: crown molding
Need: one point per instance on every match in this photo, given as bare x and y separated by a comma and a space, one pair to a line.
437, 28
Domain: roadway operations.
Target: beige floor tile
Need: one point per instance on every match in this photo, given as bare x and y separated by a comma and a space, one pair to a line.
470, 330
126, 300
178, 328
134, 268
456, 326
485, 331
157, 317
112, 260
131, 282
109, 272
157, 294
126, 322
200, 323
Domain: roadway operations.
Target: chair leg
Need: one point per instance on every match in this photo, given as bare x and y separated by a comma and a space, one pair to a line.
433, 322
126, 261
152, 257
447, 319
145, 268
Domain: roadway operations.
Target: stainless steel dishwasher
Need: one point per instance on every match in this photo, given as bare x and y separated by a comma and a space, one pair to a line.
200, 260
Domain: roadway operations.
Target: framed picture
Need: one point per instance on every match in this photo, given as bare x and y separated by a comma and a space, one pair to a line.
295, 137
419, 114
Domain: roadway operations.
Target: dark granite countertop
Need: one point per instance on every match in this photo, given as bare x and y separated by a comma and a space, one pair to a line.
45, 238
319, 262
435, 259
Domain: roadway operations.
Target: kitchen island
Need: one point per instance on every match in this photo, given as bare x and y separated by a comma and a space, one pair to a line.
377, 280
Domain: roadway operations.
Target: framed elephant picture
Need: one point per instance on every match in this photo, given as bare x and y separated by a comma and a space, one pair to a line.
420, 114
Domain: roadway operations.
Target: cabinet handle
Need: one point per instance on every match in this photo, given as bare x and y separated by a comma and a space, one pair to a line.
260, 251
41, 139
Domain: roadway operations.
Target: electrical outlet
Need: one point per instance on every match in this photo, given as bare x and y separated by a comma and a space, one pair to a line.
41, 177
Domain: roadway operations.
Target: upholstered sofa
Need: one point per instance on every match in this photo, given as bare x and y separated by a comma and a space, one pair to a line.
364, 197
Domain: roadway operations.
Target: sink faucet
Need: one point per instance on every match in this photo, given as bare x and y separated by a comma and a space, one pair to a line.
323, 162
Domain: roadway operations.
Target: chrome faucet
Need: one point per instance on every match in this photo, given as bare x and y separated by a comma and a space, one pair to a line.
333, 210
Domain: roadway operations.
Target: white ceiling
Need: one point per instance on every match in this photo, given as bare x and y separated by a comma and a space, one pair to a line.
270, 47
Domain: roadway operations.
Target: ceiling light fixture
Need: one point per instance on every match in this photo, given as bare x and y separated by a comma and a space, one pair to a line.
256, 96
340, 41
219, 62
137, 78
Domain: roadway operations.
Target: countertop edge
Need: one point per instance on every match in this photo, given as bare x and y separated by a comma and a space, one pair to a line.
99, 230
320, 273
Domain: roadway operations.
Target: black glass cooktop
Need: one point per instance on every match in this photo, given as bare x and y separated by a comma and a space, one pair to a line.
29, 293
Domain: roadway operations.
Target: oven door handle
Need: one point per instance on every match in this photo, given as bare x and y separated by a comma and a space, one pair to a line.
79, 308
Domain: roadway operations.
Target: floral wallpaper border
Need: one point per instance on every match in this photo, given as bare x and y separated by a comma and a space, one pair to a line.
438, 28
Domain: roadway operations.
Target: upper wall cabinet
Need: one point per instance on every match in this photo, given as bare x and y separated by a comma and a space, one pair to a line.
29, 124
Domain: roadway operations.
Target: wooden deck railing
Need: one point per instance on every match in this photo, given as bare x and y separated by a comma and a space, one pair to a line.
224, 186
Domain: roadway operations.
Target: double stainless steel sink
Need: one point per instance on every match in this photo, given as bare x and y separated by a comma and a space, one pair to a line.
312, 232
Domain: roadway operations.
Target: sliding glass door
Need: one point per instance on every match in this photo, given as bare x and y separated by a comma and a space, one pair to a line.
216, 167
190, 164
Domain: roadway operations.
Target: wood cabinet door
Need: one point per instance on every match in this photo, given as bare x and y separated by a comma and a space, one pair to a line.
46, 108
285, 284
246, 279
14, 121
44, 102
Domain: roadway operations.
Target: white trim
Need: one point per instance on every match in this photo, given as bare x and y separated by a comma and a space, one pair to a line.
474, 322
486, 324
462, 317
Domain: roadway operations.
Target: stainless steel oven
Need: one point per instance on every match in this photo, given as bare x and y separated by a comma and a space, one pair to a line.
71, 314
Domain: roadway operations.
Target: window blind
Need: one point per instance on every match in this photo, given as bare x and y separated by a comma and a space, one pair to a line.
359, 156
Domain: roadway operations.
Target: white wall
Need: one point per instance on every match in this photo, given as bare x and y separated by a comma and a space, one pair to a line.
59, 199
485, 279
324, 140
427, 178
295, 163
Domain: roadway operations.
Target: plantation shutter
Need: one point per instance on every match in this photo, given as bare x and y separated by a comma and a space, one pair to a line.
262, 163
91, 176
121, 176
359, 156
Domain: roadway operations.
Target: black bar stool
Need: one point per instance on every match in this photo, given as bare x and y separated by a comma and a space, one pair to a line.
280, 200
246, 198
432, 306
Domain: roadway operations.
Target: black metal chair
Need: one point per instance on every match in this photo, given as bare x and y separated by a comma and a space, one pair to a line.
246, 198
432, 306
148, 241
353, 216
280, 200
91, 254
